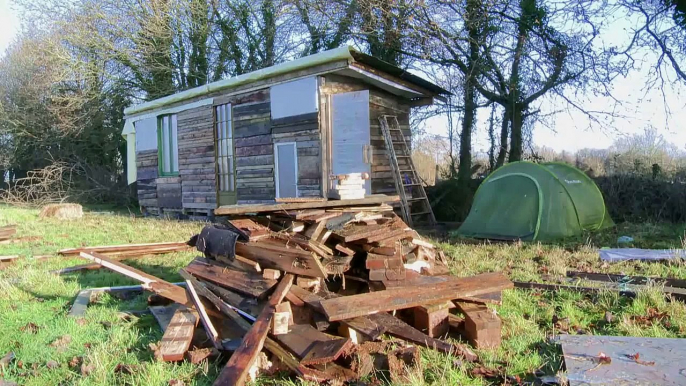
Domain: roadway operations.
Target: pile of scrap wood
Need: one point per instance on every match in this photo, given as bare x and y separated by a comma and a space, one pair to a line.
312, 292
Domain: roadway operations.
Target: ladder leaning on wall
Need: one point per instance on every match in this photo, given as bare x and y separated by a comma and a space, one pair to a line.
414, 204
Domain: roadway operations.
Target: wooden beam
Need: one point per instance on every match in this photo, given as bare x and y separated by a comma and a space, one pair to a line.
157, 285
278, 207
482, 327
236, 370
407, 297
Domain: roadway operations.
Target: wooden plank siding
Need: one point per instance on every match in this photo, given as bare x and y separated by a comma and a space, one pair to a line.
146, 184
380, 103
196, 158
304, 131
254, 151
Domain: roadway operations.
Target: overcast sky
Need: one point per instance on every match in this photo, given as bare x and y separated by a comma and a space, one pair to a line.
567, 131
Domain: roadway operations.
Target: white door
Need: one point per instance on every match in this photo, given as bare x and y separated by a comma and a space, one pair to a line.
286, 165
350, 133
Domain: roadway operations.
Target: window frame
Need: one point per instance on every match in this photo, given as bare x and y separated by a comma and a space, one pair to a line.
162, 160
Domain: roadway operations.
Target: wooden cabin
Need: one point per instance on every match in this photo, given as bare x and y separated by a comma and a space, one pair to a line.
279, 132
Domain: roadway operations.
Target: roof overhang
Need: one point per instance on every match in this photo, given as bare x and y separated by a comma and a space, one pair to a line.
371, 70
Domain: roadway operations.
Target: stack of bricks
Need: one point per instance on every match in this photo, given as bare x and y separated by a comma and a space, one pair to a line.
349, 186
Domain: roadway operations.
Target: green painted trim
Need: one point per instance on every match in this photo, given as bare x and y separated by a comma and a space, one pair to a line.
161, 161
540, 197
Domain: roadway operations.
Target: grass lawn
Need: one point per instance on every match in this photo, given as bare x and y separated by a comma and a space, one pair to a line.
31, 295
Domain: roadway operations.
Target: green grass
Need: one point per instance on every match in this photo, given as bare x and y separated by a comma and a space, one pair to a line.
104, 340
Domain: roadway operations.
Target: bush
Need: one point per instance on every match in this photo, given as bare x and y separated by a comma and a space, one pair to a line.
627, 197
641, 198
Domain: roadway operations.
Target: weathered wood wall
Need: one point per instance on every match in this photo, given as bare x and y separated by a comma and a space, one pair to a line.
304, 131
380, 103
196, 158
254, 151
146, 165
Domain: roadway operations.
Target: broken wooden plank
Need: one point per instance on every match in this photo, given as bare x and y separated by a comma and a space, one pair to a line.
278, 207
285, 259
326, 351
364, 325
178, 336
226, 309
305, 341
250, 305
251, 284
398, 328
157, 285
212, 333
407, 297
236, 370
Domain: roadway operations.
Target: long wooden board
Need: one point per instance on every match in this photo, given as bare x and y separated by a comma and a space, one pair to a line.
124, 247
277, 207
178, 335
235, 372
155, 284
250, 284
349, 307
285, 259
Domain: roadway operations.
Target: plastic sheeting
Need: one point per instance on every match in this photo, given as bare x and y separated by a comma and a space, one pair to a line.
624, 254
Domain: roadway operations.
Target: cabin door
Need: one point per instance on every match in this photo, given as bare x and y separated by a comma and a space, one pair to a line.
351, 134
225, 169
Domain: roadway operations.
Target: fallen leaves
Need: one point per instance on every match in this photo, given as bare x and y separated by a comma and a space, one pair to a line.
31, 328
652, 316
201, 354
52, 365
62, 343
125, 369
637, 358
603, 359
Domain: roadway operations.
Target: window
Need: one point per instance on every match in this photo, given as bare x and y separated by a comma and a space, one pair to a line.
168, 149
225, 173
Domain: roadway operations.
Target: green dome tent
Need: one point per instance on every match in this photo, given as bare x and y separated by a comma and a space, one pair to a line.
529, 201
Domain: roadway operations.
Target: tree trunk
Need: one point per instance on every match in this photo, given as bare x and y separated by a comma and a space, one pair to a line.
504, 131
464, 173
516, 134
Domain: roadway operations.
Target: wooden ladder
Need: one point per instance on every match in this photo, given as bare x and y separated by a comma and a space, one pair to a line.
407, 182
